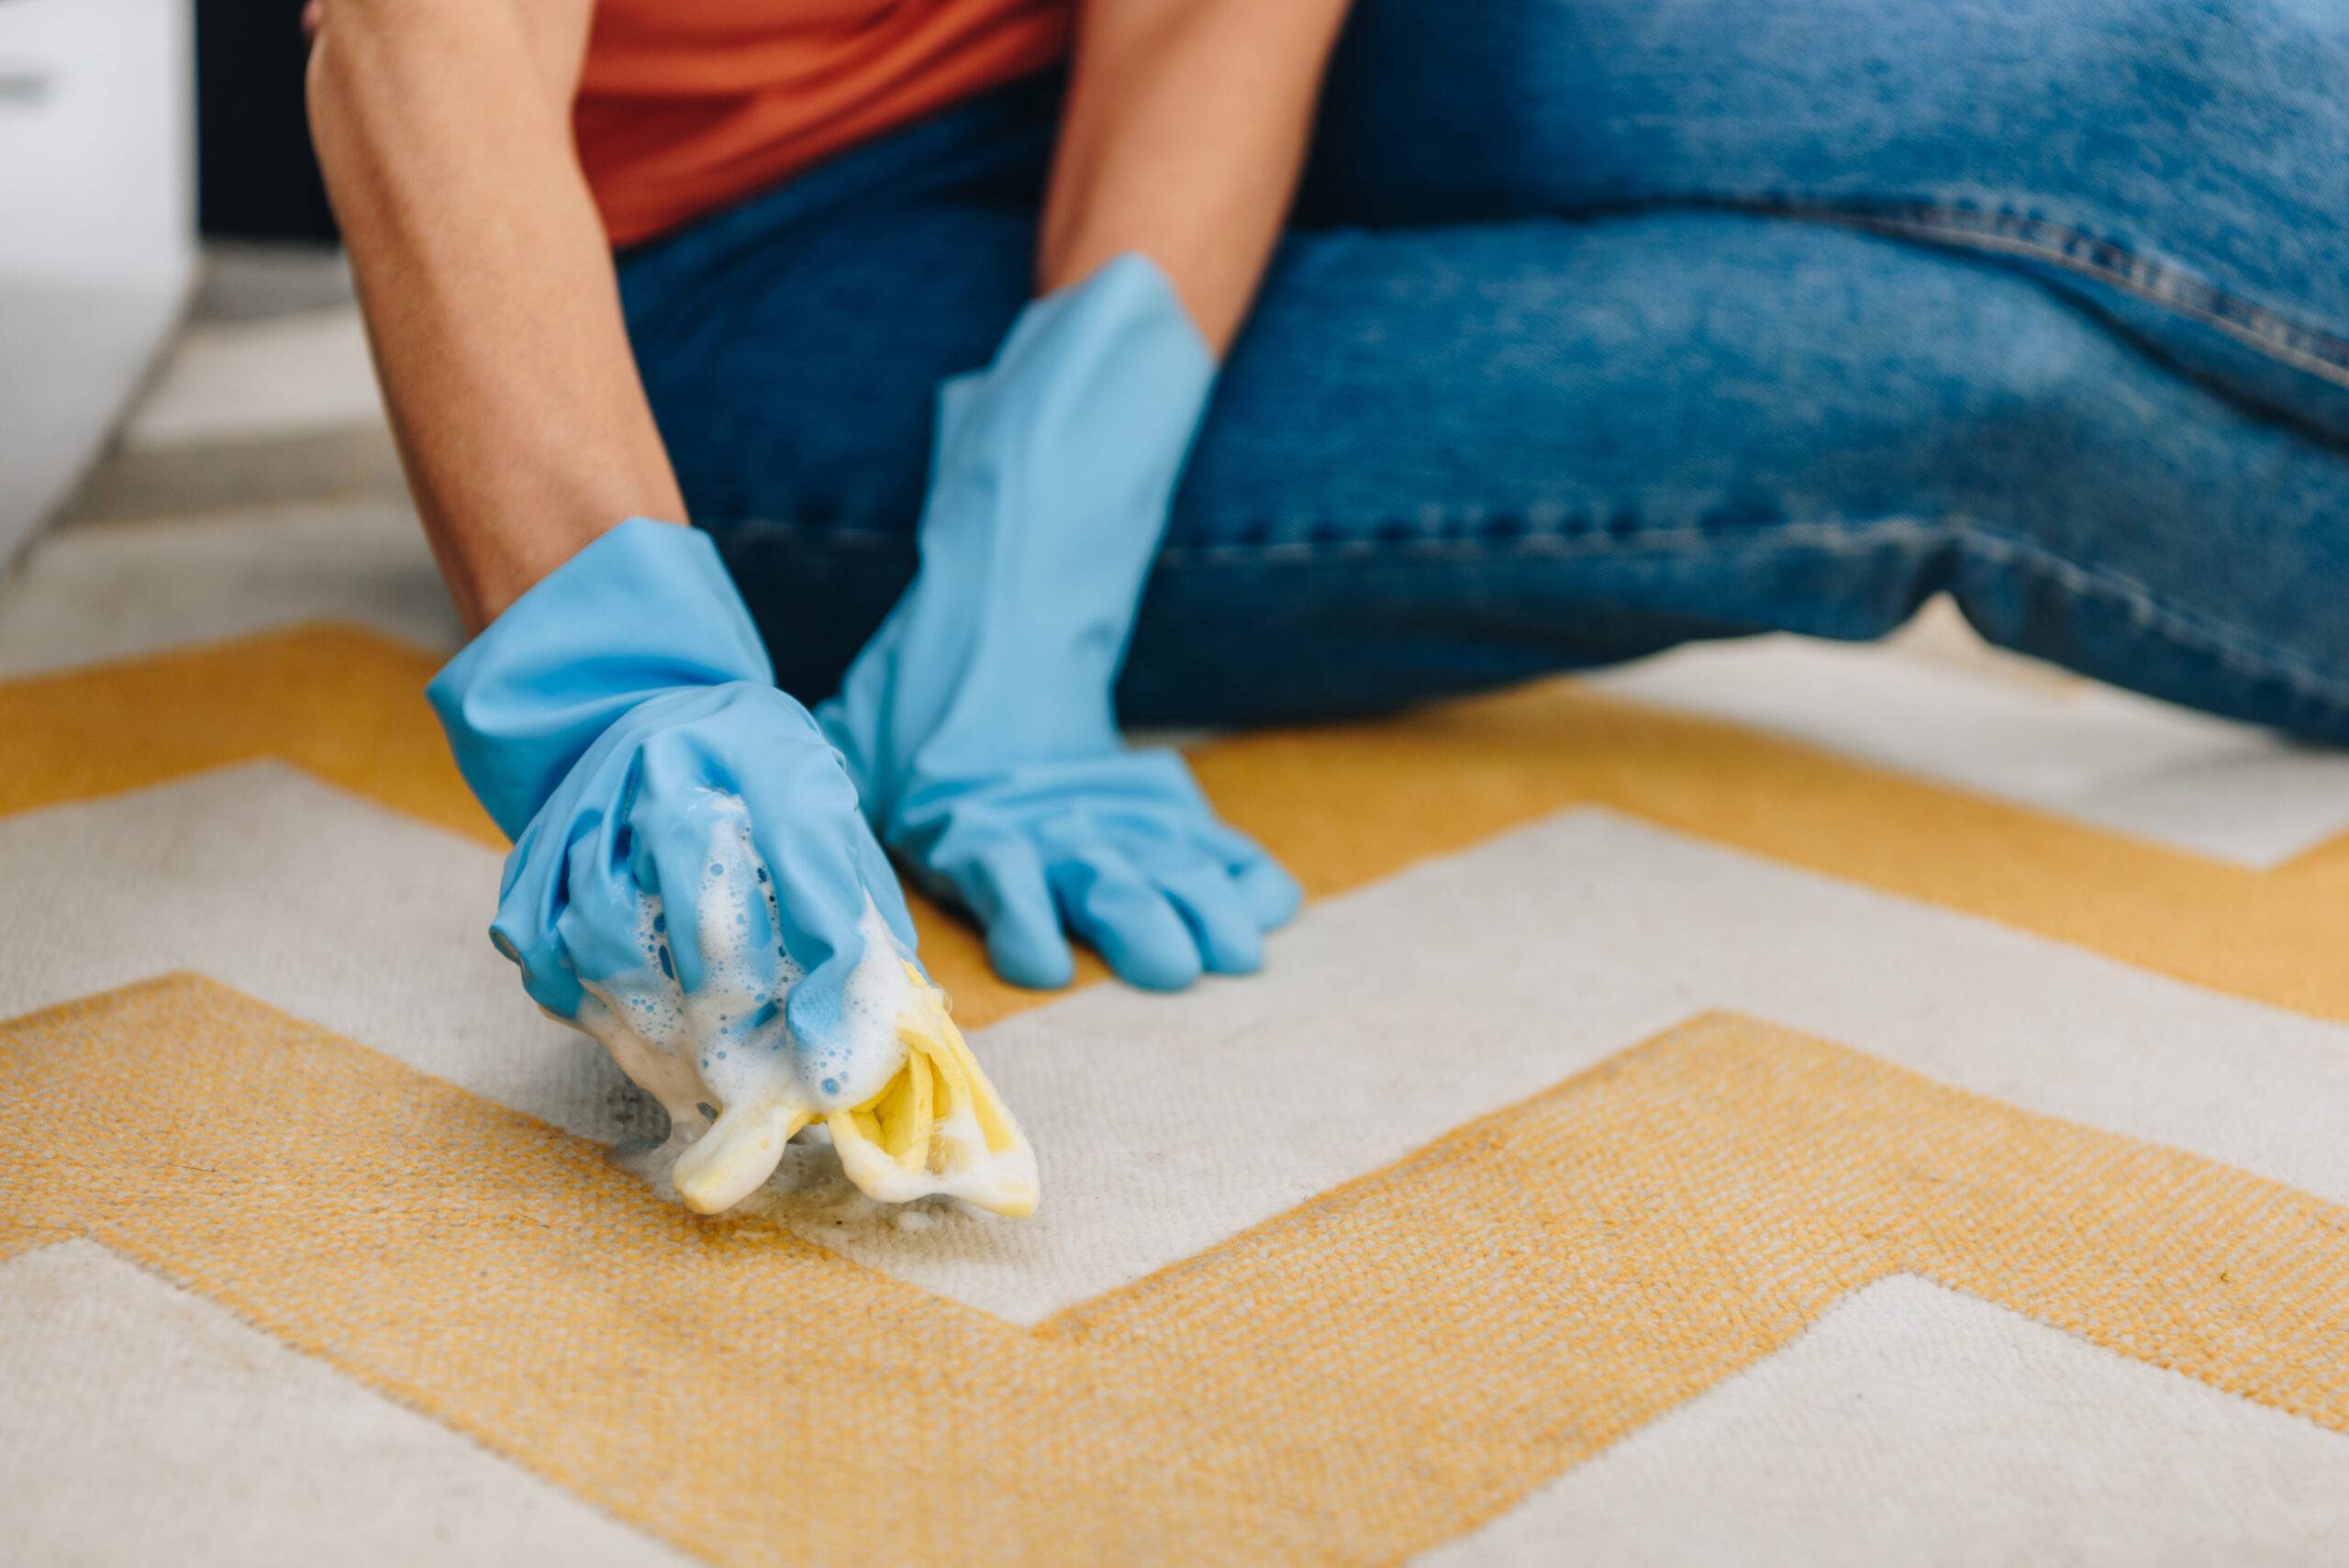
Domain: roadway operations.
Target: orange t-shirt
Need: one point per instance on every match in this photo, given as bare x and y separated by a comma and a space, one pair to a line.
686, 105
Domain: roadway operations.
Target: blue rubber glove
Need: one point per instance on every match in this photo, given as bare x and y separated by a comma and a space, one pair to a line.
978, 721
688, 846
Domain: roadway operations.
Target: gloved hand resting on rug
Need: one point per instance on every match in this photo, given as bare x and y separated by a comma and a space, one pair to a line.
691, 882
978, 722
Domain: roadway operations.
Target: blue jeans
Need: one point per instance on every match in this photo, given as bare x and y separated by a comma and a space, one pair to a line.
1603, 324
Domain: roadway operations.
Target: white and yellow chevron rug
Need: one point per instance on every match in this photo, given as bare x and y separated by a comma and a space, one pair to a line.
1779, 1104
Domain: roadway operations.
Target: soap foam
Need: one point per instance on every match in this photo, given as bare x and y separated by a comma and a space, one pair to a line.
727, 1046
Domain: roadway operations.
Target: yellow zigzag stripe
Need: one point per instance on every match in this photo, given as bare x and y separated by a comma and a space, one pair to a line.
1372, 1373
1343, 805
345, 704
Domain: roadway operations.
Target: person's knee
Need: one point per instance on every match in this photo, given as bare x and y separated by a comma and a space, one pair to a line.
2272, 72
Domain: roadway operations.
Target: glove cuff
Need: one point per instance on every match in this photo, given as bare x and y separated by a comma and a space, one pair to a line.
1054, 470
646, 607
1067, 448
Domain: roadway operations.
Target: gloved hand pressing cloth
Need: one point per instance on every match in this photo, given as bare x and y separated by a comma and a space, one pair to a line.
692, 884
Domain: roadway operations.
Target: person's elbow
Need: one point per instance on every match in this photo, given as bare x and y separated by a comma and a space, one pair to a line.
392, 46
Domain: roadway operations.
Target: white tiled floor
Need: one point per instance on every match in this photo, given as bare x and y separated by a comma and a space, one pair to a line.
249, 380
113, 590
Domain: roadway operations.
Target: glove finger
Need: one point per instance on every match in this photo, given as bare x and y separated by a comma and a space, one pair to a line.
1265, 886
822, 862
1270, 894
820, 854
881, 884
1222, 924
1124, 916
690, 846
1002, 883
603, 925
821, 898
530, 907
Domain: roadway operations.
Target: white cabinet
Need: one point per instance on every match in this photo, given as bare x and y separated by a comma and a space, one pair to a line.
98, 242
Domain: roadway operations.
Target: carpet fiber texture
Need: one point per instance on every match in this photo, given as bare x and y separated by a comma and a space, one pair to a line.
1778, 1102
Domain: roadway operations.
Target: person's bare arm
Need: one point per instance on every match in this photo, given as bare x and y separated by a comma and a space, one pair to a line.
444, 129
1185, 128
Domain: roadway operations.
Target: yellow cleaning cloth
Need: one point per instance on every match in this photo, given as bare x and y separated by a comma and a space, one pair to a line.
936, 1128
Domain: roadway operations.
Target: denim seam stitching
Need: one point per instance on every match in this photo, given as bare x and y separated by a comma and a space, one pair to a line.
2252, 660
2165, 283
1825, 532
